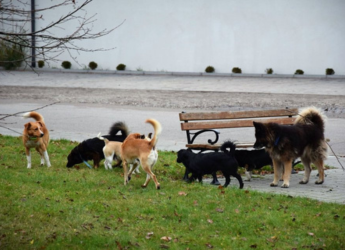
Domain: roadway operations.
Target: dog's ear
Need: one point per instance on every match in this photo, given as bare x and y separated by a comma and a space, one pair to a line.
150, 135
40, 123
27, 125
258, 125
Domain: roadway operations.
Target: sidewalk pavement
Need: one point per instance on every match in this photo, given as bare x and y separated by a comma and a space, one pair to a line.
332, 190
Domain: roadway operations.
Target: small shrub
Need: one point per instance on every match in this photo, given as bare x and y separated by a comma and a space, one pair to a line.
121, 67
209, 69
12, 52
269, 71
40, 63
236, 70
66, 64
329, 71
93, 65
299, 72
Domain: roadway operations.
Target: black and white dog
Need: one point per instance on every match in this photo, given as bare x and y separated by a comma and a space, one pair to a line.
92, 149
208, 163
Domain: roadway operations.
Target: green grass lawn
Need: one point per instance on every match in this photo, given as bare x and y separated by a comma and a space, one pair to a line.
82, 208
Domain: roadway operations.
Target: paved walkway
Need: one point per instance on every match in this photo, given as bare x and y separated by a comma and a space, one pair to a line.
332, 190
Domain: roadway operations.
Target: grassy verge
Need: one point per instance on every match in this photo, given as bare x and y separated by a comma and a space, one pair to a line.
80, 208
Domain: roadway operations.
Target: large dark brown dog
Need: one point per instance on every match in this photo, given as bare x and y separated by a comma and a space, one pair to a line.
92, 149
284, 143
36, 135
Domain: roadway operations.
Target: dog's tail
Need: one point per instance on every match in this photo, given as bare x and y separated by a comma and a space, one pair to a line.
230, 145
158, 129
119, 126
312, 115
102, 138
38, 117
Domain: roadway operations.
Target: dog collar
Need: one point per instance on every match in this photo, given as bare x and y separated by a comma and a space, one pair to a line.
86, 163
276, 141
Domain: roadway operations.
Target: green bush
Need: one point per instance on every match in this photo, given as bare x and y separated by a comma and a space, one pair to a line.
66, 64
299, 72
236, 70
93, 65
329, 71
269, 71
40, 63
12, 52
209, 69
121, 67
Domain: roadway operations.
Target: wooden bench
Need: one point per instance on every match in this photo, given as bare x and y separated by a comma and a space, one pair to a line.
197, 123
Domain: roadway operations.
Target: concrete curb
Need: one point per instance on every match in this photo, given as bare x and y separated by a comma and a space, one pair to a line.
165, 73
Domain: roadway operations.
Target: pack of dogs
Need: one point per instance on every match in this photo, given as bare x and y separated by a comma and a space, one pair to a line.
276, 145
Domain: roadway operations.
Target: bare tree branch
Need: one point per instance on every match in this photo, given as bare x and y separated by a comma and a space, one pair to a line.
16, 15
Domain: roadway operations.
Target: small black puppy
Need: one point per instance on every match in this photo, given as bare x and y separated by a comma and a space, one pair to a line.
92, 149
201, 164
252, 159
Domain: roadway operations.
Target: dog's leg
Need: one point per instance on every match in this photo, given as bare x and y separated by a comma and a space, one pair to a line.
46, 157
149, 176
239, 178
215, 180
277, 173
287, 173
132, 168
320, 167
307, 171
248, 175
28, 157
125, 174
227, 179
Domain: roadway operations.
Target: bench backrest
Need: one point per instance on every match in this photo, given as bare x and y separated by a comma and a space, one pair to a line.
235, 119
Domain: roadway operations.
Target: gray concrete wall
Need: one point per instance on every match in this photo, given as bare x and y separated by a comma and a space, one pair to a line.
188, 36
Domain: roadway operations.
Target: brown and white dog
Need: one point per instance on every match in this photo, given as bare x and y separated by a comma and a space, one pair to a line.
112, 151
141, 151
36, 135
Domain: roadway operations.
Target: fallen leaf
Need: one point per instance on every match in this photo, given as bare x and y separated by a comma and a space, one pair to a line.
237, 211
148, 235
311, 234
182, 193
209, 245
210, 221
219, 210
166, 238
164, 246
220, 187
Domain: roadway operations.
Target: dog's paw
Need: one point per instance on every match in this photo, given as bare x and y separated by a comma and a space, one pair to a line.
285, 185
318, 182
273, 184
303, 182
158, 187
143, 186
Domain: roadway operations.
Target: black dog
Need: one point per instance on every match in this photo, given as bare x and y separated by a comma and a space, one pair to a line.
201, 164
91, 149
252, 159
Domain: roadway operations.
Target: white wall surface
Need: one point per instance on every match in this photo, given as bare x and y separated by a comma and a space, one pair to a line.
188, 36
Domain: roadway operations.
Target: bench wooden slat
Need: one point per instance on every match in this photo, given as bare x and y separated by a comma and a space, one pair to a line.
217, 146
236, 114
233, 123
